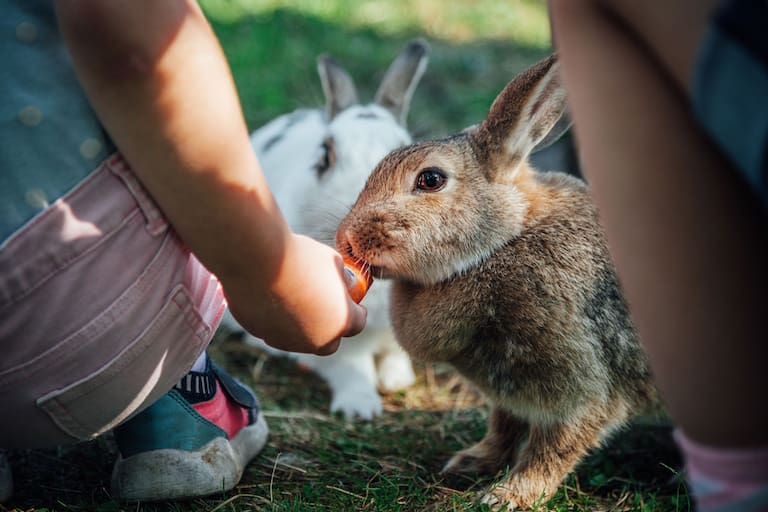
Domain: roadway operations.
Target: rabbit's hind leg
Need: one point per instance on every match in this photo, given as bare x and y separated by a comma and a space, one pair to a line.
497, 449
551, 453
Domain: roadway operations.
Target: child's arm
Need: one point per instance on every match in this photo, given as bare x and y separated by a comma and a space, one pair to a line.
158, 80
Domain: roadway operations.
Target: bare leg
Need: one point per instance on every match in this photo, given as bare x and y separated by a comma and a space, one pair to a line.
687, 236
497, 449
669, 31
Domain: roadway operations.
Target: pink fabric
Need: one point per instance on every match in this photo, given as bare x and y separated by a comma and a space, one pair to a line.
225, 413
724, 477
102, 308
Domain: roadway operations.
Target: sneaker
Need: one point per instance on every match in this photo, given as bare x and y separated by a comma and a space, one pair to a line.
6, 478
195, 441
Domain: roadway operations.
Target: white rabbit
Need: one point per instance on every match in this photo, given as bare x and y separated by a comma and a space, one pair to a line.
316, 163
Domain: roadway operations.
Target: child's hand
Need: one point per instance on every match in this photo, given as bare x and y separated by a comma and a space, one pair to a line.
308, 308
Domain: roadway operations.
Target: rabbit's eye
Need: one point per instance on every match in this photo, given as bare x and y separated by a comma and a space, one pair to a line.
327, 159
430, 179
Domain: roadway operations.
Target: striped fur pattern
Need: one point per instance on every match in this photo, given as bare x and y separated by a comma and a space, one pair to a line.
504, 272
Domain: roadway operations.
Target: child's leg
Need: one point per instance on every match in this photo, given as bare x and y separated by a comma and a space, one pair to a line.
104, 311
686, 233
688, 238
714, 52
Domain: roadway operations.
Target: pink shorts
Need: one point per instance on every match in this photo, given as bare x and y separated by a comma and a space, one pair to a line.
102, 310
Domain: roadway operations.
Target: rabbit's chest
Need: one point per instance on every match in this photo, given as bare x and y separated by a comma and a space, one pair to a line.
506, 354
441, 322
435, 323
500, 323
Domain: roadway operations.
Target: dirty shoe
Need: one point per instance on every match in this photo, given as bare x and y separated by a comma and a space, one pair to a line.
195, 441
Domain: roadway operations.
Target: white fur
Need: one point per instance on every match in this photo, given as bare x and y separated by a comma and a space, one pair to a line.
288, 149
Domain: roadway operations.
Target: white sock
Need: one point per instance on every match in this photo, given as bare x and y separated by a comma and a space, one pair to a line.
199, 365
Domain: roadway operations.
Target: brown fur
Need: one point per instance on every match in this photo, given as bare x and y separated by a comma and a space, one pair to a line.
505, 274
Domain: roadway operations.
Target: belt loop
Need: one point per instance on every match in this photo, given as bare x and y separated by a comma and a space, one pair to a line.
156, 221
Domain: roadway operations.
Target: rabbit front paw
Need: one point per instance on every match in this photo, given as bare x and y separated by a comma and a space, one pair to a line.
395, 371
515, 493
495, 502
364, 403
471, 460
498, 449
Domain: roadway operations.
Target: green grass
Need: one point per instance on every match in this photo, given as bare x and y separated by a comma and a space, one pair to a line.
477, 47
317, 462
523, 22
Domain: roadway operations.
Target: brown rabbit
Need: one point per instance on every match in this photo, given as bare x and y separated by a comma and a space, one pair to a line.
503, 272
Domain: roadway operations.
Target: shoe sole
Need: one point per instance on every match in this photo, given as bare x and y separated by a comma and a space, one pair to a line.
173, 474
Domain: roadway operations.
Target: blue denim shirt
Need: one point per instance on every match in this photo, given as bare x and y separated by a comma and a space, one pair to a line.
50, 138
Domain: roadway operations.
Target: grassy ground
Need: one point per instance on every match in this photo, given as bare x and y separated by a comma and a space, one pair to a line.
317, 462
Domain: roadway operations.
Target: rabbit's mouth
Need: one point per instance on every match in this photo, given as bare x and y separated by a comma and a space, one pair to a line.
376, 269
379, 272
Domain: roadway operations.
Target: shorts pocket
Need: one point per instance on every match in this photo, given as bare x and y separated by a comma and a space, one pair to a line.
140, 374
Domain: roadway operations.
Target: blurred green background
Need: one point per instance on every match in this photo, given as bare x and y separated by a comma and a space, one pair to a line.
477, 47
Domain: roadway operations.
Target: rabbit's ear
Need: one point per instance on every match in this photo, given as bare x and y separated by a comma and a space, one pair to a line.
338, 87
523, 115
561, 126
400, 80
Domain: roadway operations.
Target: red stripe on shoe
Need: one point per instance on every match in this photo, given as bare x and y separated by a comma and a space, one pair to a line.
228, 415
